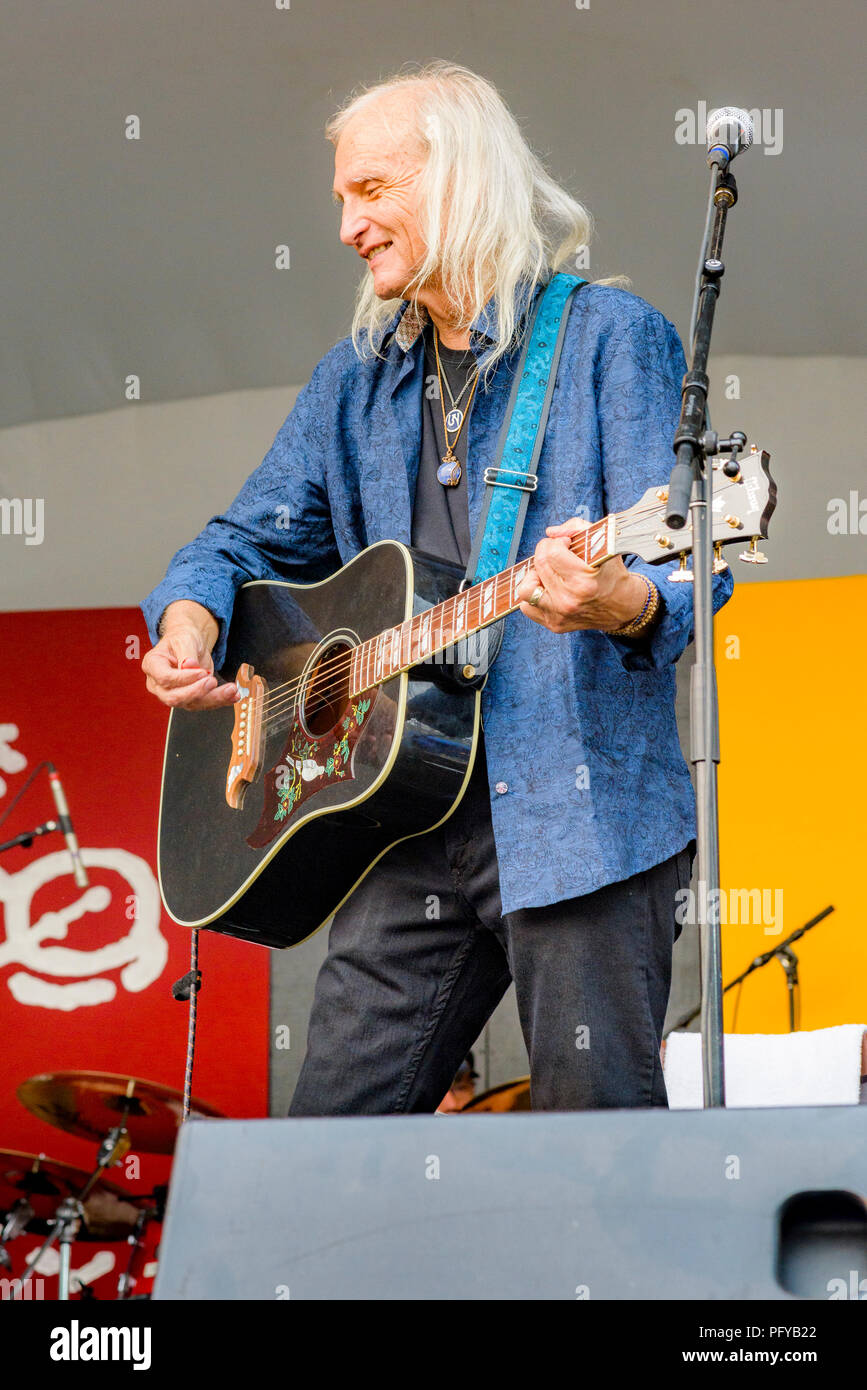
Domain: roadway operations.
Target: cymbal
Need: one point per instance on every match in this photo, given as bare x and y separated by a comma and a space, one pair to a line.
109, 1212
512, 1095
90, 1103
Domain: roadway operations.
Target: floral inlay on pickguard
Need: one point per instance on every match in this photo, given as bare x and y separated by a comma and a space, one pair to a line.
301, 768
308, 764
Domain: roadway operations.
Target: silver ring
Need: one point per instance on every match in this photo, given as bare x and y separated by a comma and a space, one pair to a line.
536, 595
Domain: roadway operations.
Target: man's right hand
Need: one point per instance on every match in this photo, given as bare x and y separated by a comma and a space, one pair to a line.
179, 668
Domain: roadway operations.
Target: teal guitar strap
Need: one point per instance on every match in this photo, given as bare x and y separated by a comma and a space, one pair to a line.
509, 483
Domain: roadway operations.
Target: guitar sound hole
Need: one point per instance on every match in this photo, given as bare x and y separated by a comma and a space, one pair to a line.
326, 696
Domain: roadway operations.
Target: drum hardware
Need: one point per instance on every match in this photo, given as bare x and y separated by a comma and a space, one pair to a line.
44, 1196
511, 1095
129, 1278
70, 1213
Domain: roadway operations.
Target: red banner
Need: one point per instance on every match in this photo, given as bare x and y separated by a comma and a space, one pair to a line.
86, 973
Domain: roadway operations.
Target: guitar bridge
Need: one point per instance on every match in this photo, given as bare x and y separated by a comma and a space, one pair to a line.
246, 758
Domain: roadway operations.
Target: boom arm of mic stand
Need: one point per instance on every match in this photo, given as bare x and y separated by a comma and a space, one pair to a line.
26, 838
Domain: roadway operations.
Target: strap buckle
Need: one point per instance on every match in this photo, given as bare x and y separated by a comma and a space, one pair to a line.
529, 484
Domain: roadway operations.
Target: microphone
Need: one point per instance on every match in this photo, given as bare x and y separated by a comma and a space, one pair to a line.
65, 823
729, 130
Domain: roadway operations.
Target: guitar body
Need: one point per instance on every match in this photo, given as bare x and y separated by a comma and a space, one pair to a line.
339, 778
349, 736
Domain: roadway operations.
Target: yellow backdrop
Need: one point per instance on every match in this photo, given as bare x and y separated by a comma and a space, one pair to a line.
792, 668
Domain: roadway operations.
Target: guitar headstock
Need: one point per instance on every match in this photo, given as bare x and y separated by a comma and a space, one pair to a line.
742, 509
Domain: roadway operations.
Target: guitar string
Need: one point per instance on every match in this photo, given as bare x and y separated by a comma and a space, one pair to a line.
300, 680
275, 708
340, 666
319, 697
281, 697
345, 658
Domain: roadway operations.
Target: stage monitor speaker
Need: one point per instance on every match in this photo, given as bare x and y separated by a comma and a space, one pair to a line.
715, 1204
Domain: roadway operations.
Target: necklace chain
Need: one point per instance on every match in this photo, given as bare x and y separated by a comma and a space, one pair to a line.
464, 389
450, 473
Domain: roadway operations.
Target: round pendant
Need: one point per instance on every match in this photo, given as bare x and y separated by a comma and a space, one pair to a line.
449, 473
454, 420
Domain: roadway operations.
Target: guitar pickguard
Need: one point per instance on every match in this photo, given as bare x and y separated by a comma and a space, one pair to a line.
307, 766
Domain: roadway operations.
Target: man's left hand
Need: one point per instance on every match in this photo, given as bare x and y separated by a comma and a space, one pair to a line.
576, 596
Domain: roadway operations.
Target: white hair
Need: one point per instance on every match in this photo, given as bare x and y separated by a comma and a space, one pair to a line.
493, 220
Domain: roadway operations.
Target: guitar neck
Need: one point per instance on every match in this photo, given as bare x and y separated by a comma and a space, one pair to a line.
418, 639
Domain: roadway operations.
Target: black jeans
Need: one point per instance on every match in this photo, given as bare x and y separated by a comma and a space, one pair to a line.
420, 956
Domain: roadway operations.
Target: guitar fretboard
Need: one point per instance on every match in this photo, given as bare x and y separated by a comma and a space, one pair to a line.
418, 639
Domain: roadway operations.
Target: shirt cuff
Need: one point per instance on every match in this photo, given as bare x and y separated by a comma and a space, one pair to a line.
219, 603
670, 636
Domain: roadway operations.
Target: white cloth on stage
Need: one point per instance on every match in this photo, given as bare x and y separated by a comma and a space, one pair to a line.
820, 1067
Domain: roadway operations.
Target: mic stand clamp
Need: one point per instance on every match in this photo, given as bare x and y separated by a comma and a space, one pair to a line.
789, 961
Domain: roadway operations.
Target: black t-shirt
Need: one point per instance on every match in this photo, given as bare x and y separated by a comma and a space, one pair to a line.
440, 515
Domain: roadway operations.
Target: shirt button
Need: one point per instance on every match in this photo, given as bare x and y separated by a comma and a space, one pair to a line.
501, 788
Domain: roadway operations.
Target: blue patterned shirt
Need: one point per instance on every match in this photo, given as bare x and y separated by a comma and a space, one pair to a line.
579, 728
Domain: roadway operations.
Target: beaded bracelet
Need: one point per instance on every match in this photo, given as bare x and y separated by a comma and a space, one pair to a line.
645, 617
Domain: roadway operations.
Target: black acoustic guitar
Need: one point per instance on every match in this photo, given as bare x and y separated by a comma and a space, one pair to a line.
359, 718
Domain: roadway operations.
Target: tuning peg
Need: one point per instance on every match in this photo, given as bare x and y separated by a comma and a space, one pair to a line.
719, 564
753, 556
682, 575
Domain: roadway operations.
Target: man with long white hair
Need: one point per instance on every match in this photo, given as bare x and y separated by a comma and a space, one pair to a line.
560, 866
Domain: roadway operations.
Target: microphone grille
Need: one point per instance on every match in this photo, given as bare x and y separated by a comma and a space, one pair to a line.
723, 116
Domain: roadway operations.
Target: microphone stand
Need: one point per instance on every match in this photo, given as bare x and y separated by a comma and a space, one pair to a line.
63, 823
26, 838
787, 959
695, 446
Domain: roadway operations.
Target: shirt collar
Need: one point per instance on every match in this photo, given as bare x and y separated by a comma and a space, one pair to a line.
409, 323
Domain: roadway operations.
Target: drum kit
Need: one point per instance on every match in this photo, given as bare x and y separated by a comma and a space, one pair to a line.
43, 1197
